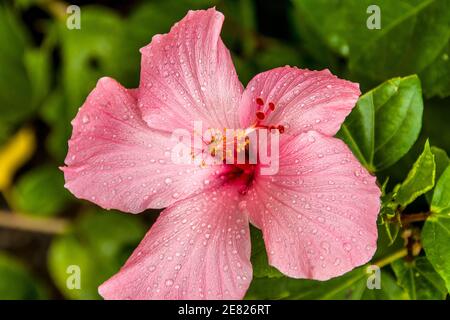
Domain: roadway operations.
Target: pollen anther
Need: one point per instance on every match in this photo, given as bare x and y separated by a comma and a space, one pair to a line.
260, 115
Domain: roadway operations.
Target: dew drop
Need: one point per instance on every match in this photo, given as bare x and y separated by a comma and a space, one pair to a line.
169, 282
325, 246
85, 119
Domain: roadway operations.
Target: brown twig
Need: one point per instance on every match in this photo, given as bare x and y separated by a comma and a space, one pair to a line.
41, 225
414, 217
55, 8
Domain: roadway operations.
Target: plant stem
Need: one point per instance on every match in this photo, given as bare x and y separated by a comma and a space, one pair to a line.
414, 217
389, 259
41, 225
55, 8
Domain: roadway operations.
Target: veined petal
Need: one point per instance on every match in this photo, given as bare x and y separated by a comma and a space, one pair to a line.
198, 248
318, 214
187, 75
303, 100
116, 161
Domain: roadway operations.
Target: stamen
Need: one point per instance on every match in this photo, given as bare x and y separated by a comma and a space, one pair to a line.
260, 115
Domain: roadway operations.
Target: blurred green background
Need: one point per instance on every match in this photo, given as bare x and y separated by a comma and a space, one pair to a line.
46, 72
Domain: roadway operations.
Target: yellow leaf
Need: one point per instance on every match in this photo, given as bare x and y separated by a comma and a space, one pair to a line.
14, 154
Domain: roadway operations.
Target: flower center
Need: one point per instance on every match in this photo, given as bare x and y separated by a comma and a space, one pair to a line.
241, 175
236, 152
233, 154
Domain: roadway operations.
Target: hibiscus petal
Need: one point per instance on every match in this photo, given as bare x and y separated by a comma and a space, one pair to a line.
116, 161
188, 75
198, 248
318, 214
304, 100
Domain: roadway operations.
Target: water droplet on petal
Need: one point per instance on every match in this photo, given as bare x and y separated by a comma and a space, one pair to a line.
347, 246
169, 282
85, 119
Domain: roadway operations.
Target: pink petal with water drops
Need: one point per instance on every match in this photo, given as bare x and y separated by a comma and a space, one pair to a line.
302, 100
318, 214
117, 162
188, 75
198, 248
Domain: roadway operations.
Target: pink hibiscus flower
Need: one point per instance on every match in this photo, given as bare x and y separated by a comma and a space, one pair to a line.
317, 214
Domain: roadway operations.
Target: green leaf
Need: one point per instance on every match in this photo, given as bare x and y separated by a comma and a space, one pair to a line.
261, 267
385, 123
441, 198
442, 161
93, 52
151, 18
390, 290
41, 192
15, 104
99, 244
276, 55
435, 121
386, 244
108, 233
436, 231
435, 77
351, 286
37, 62
53, 110
16, 282
419, 279
68, 251
413, 38
420, 178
